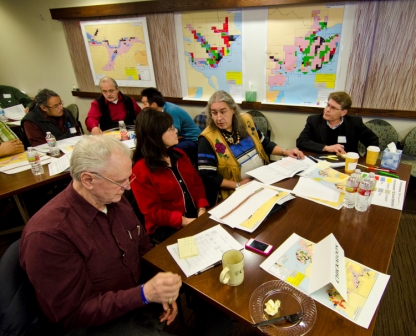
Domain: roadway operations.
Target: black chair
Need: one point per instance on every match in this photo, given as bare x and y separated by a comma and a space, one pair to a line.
20, 313
261, 122
75, 112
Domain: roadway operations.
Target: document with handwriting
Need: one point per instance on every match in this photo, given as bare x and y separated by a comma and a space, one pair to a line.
212, 244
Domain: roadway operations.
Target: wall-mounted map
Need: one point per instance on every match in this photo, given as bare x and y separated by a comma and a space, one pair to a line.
212, 52
302, 53
119, 49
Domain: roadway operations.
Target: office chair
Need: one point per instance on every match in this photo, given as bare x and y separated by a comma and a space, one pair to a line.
20, 313
73, 108
261, 122
409, 150
201, 120
386, 134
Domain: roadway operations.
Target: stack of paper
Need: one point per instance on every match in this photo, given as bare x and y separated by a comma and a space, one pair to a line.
323, 185
321, 271
280, 170
17, 163
211, 245
16, 112
249, 205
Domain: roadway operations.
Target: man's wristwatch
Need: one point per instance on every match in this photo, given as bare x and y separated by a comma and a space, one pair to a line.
237, 185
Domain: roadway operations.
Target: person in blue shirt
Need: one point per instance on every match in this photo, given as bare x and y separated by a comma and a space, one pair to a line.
188, 131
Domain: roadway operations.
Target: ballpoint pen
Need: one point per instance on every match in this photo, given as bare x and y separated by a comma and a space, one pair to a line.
209, 267
377, 168
387, 174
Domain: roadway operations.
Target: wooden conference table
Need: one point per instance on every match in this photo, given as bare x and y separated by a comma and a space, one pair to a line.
15, 184
367, 238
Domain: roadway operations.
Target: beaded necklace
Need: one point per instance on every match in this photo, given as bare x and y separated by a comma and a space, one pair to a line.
231, 138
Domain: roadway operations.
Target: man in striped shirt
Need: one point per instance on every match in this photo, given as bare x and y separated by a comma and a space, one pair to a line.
9, 142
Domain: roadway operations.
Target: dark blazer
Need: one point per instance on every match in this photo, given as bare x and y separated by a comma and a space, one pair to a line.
314, 136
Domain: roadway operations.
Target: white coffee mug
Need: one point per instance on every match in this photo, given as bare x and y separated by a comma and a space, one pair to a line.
233, 268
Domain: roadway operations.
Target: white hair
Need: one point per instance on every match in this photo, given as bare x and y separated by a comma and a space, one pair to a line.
92, 153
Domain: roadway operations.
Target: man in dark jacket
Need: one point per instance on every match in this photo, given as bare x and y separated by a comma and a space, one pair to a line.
49, 115
334, 131
110, 108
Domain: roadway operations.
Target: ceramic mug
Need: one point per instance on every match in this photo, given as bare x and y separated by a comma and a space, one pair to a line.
233, 268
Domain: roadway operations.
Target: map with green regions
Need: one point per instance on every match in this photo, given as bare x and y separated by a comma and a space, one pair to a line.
302, 53
119, 49
292, 263
212, 49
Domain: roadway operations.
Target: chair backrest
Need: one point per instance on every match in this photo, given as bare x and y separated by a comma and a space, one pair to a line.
386, 134
201, 120
75, 112
20, 313
409, 144
261, 122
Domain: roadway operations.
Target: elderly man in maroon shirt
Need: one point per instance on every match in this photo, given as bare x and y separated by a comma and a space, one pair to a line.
82, 251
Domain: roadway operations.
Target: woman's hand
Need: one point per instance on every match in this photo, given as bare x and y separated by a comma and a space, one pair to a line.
294, 153
201, 211
186, 220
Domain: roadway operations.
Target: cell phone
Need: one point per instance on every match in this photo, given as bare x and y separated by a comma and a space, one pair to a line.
259, 247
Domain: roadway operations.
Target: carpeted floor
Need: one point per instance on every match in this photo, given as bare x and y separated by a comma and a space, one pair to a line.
397, 310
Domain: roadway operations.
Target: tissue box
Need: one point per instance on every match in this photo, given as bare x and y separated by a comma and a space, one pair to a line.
251, 96
391, 160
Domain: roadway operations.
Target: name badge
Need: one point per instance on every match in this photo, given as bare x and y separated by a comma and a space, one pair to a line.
342, 139
7, 95
72, 130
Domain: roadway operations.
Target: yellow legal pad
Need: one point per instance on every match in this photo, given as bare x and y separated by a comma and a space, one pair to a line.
187, 247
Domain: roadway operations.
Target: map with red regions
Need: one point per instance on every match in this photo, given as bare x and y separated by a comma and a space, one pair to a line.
213, 52
302, 53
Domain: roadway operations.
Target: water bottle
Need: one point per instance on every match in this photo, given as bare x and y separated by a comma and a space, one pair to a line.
123, 131
350, 191
363, 194
51, 141
2, 115
358, 175
373, 183
34, 160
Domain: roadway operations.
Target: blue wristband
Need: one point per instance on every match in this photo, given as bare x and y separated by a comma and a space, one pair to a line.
143, 297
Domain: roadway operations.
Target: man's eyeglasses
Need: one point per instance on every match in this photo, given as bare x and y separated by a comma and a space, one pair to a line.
57, 106
131, 179
333, 107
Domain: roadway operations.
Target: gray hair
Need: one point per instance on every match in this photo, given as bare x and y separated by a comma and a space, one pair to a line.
108, 79
43, 96
92, 153
238, 123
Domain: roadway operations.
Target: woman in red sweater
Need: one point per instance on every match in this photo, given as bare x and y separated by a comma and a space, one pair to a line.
168, 189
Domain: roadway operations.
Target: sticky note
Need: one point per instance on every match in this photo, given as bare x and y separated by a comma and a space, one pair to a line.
187, 247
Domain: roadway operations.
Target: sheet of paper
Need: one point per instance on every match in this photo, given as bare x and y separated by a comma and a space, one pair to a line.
390, 192
212, 244
242, 213
59, 165
292, 263
130, 143
187, 247
67, 145
16, 112
307, 187
14, 123
279, 170
324, 174
21, 163
328, 267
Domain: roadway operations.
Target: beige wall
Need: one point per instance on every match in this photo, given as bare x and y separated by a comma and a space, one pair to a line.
34, 55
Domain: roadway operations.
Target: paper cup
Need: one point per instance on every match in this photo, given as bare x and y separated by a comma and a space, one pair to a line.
233, 268
372, 155
351, 160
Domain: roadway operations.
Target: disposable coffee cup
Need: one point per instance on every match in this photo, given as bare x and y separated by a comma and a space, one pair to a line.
372, 155
351, 160
233, 268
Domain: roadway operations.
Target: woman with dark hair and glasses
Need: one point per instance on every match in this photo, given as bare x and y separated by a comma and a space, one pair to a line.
168, 190
48, 114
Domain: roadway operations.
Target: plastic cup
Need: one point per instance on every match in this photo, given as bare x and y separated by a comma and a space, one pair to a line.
372, 155
351, 160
